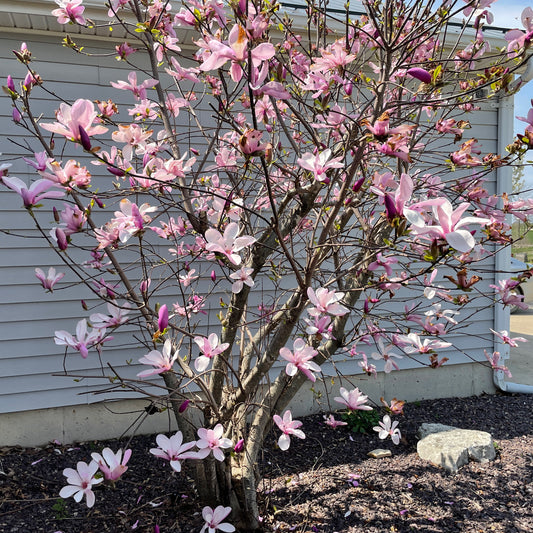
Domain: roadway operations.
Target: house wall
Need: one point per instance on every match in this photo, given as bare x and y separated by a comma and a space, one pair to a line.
38, 404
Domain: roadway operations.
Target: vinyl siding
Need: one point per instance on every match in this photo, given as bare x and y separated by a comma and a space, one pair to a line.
28, 316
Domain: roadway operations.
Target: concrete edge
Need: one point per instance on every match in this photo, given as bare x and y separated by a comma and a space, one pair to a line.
108, 420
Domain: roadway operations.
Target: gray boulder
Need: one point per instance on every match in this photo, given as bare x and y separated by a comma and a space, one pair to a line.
427, 429
452, 448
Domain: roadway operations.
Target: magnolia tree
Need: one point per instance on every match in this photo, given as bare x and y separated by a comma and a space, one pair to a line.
324, 169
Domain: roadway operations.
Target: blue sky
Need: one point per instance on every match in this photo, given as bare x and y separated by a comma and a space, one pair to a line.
507, 14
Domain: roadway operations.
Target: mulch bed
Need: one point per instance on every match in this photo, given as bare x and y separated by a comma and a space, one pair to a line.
325, 483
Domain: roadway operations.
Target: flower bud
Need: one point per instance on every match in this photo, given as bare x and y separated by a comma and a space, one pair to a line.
183, 406
348, 88
239, 447
116, 171
62, 241
98, 202
10, 83
85, 140
17, 117
390, 208
162, 321
28, 81
145, 283
213, 276
420, 74
358, 184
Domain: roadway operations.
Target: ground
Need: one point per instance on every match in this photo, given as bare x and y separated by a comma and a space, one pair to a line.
325, 483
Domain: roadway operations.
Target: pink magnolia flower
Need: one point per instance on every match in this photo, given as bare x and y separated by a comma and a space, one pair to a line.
188, 278
319, 164
161, 361
289, 427
465, 156
112, 465
446, 314
326, 302
172, 449
115, 5
517, 39
242, 277
449, 126
49, 280
320, 325
124, 50
384, 352
70, 175
83, 339
129, 221
416, 345
449, 221
73, 219
80, 482
250, 143
133, 136
528, 119
228, 244
181, 73
300, 360
333, 423
397, 145
213, 519
175, 104
354, 400
504, 336
504, 289
211, 440
494, 361
38, 190
335, 57
139, 91
116, 316
41, 160
366, 367
394, 206
476, 6
71, 118
235, 51
387, 428
69, 11
384, 262
210, 348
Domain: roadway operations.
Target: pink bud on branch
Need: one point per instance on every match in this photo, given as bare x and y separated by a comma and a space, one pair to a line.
420, 74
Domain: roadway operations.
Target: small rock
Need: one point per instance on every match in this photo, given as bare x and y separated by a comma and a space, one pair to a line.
379, 453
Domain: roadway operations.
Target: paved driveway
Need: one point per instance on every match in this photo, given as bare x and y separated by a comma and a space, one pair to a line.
521, 362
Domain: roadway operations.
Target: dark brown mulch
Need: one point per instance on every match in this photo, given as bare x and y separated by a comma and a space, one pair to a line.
325, 483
